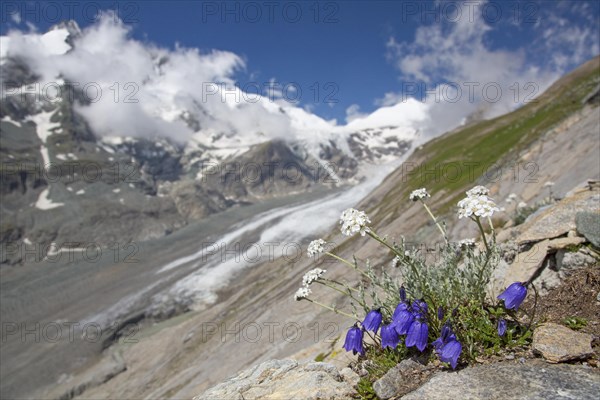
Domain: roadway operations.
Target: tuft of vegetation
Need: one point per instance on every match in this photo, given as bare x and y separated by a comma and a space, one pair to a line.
575, 323
441, 310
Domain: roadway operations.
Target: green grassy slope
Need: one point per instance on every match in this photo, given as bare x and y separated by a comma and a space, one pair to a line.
482, 144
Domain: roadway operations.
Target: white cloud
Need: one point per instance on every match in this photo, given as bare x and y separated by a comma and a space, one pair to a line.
459, 73
145, 88
353, 112
16, 17
567, 43
32, 28
389, 99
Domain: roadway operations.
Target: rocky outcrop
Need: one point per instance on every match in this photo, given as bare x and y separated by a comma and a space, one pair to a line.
588, 224
533, 380
284, 379
557, 343
403, 378
558, 220
549, 245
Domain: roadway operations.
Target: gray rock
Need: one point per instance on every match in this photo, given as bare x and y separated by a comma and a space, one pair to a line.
560, 266
350, 376
399, 380
588, 224
496, 285
509, 380
572, 260
565, 242
509, 250
526, 264
557, 343
283, 379
559, 219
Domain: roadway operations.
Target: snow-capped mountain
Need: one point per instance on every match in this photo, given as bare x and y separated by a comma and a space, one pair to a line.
172, 137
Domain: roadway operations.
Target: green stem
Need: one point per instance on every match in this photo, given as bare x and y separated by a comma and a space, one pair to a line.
340, 283
332, 309
340, 259
386, 244
322, 282
476, 219
444, 235
493, 233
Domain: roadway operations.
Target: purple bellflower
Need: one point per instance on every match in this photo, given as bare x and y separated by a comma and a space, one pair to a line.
440, 313
514, 295
445, 337
417, 335
372, 321
354, 340
402, 294
501, 327
403, 319
447, 346
450, 352
389, 336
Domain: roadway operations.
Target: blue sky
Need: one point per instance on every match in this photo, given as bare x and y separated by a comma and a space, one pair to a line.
348, 55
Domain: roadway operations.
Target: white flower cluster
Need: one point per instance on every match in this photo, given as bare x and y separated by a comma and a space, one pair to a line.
353, 221
511, 197
312, 276
549, 184
308, 278
478, 191
302, 293
419, 194
477, 203
467, 243
397, 260
316, 247
522, 205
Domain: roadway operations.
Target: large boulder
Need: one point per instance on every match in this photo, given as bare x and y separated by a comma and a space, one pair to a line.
557, 343
534, 380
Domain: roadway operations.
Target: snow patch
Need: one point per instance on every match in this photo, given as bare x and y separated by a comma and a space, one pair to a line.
45, 203
44, 128
11, 121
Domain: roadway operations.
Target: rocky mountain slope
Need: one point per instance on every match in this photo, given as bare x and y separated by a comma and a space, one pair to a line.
557, 248
201, 348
